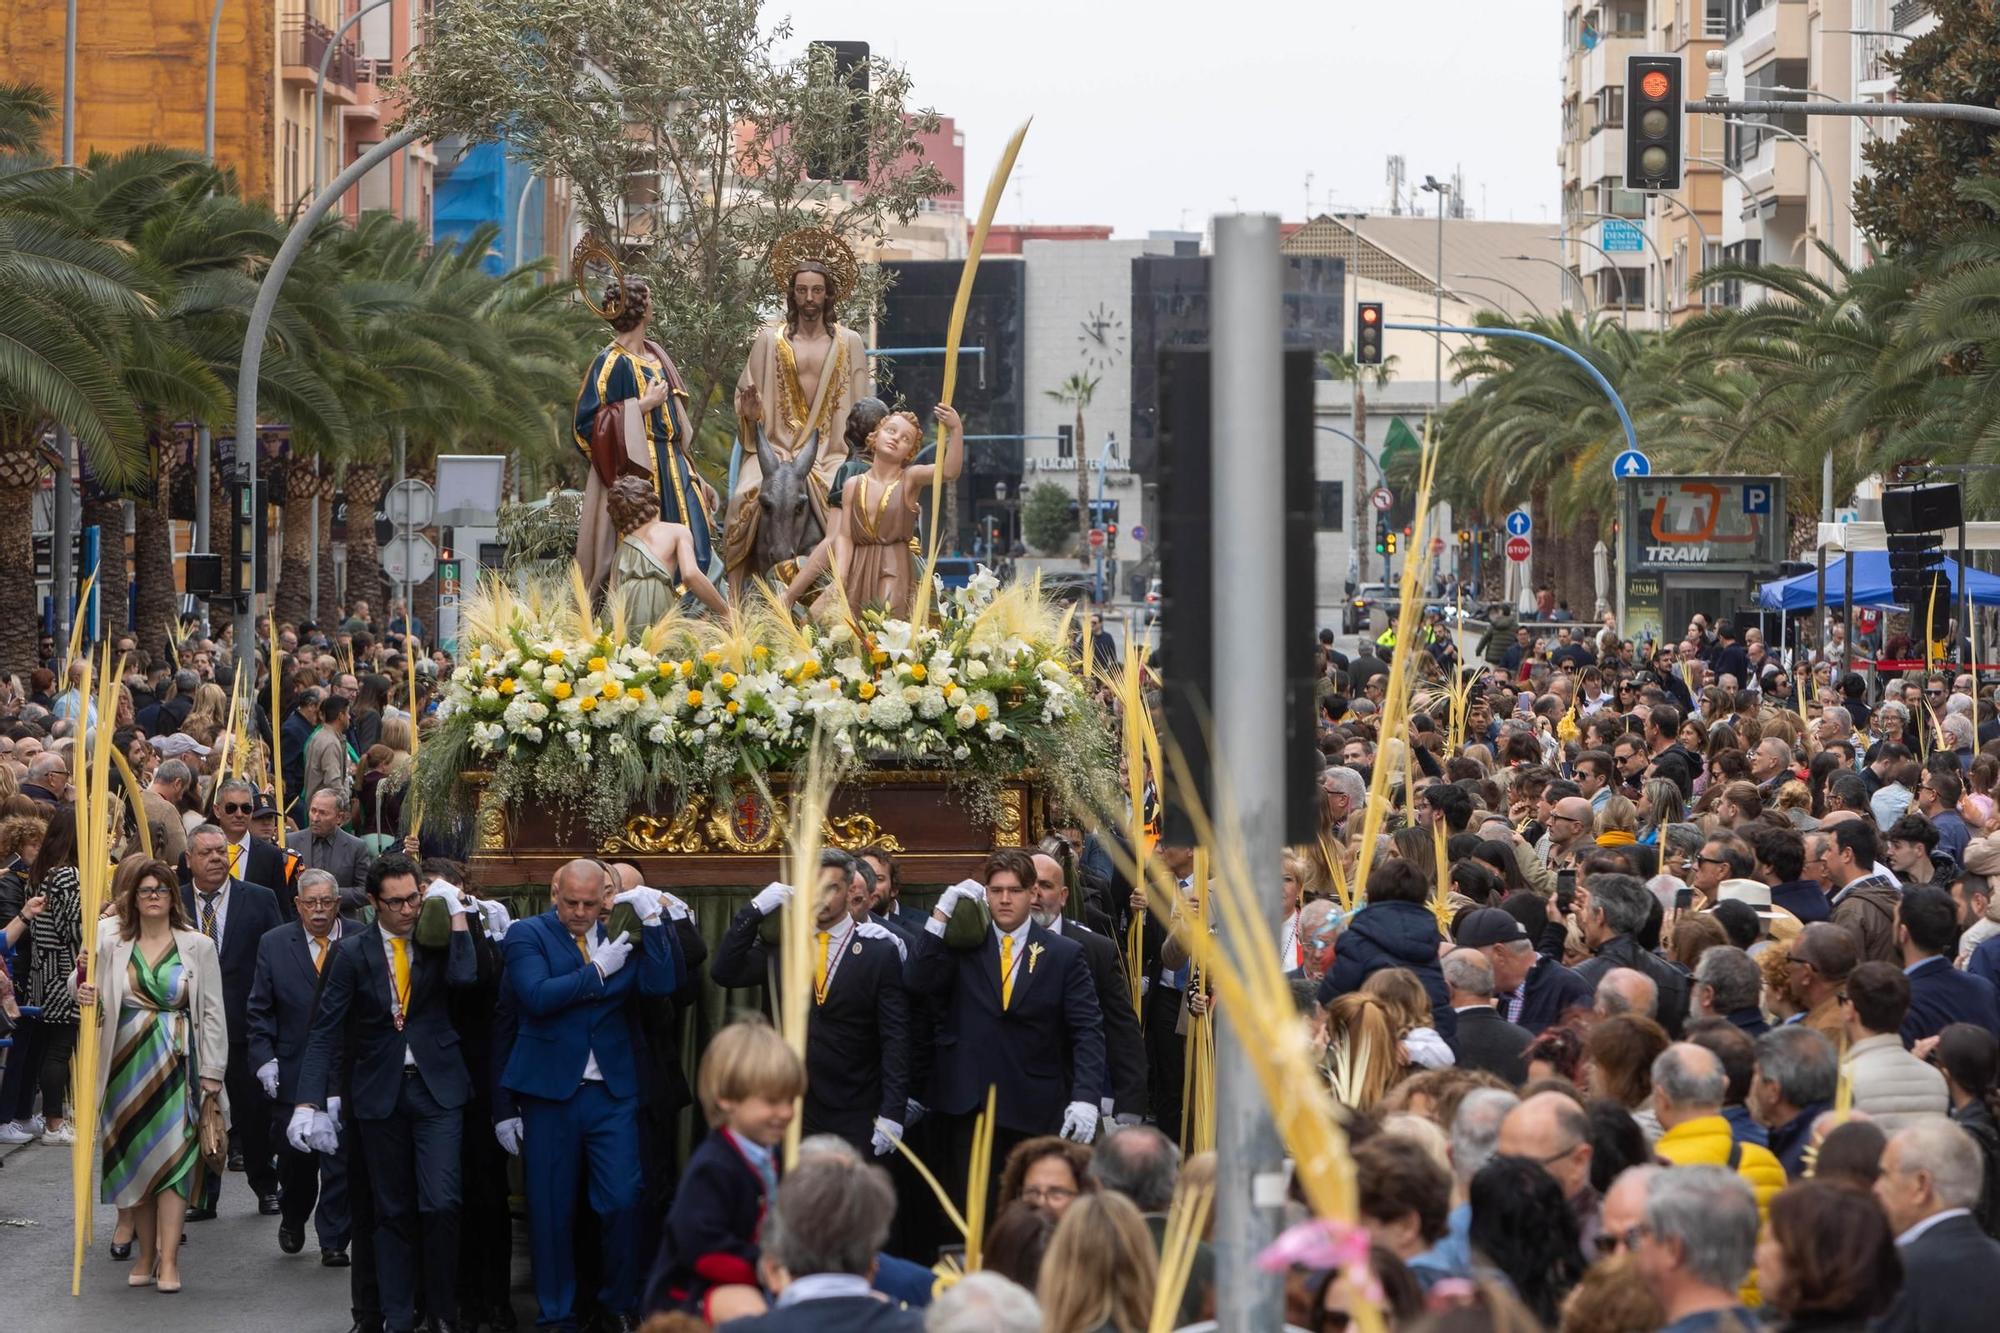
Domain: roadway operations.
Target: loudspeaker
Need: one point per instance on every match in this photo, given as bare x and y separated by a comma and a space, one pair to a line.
204, 575
1921, 508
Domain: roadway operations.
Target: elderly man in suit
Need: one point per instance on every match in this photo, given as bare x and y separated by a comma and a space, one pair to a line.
1124, 1093
1932, 1173
236, 915
1015, 1002
574, 1072
857, 1040
290, 962
383, 1015
819, 1252
1484, 1039
324, 845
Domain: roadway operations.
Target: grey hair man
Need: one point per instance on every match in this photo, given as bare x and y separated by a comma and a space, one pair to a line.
1727, 984
1931, 1179
1791, 1085
984, 1303
1141, 1163
1612, 910
1696, 1243
1475, 1133
830, 1220
1485, 1039
1625, 990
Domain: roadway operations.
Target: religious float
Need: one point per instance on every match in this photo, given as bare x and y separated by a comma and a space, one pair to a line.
678, 745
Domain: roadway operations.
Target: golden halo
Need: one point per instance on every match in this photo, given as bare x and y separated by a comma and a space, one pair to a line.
814, 245
591, 252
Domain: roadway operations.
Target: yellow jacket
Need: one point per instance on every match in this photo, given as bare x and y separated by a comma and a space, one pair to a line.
1706, 1141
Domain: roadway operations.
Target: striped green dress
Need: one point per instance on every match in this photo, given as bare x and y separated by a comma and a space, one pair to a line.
150, 1109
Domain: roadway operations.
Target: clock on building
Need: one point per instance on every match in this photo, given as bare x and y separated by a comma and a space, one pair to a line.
1102, 339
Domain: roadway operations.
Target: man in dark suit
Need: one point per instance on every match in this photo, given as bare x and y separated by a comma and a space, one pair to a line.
574, 1073
889, 891
249, 857
1013, 1002
1484, 1040
819, 1246
1932, 1173
324, 845
290, 962
165, 717
858, 1038
382, 1012
1124, 1094
237, 915
1940, 994
1532, 990
299, 726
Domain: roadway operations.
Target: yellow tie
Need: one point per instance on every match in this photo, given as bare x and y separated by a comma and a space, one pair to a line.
1006, 970
583, 948
819, 970
319, 954
400, 947
235, 853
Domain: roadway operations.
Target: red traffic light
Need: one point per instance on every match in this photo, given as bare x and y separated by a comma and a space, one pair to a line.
1654, 85
1371, 314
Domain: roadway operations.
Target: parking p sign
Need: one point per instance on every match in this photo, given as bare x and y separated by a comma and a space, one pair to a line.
1756, 498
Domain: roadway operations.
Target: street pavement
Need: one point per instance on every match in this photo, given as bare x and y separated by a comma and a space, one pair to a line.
233, 1275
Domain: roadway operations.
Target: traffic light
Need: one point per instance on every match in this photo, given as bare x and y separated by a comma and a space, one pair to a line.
1368, 333
1653, 115
1110, 537
1381, 534
1392, 543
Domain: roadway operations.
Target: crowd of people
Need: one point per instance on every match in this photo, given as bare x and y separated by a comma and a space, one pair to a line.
1691, 1024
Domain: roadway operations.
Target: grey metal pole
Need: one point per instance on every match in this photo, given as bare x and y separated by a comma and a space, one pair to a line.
1624, 293
1582, 292
312, 561
69, 87
204, 450
1658, 257
1700, 231
1247, 380
1533, 304
521, 218
1825, 180
406, 530
260, 320
319, 86
1977, 115
208, 112
60, 570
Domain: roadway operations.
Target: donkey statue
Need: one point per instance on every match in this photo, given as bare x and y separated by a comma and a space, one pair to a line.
788, 524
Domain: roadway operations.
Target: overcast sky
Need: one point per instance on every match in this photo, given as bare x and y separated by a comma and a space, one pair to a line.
1149, 115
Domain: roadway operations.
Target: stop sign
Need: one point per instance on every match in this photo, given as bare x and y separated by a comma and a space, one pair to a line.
1518, 548
1097, 536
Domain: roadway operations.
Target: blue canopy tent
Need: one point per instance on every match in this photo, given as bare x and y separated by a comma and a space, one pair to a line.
1871, 584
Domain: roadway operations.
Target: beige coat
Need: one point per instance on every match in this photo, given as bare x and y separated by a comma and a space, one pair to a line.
207, 1030
1892, 1087
326, 766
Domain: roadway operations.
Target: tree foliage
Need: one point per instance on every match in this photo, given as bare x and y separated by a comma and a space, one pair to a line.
687, 137
1911, 195
1046, 520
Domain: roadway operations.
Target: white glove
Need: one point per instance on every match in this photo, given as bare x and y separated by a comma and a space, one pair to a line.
1079, 1122
333, 1109
774, 896
875, 930
440, 889
610, 955
509, 1134
267, 1076
965, 888
297, 1133
676, 909
325, 1135
498, 918
645, 901
1125, 1118
886, 1134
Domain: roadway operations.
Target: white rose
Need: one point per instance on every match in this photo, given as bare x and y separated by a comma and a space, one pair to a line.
965, 717
975, 669
956, 697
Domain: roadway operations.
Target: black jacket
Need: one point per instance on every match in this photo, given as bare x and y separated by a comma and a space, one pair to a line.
1386, 935
1124, 1050
1804, 899
1951, 1280
354, 1025
1976, 1119
249, 913
1553, 990
1487, 1041
1624, 951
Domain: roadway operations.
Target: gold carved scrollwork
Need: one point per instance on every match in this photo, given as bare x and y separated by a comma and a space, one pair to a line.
1013, 818
650, 835
743, 821
851, 833
489, 821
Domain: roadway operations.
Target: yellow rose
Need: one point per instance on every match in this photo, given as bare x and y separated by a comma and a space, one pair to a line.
506, 685
694, 698
555, 654
597, 664
685, 667
732, 708
712, 657
808, 669
878, 657
760, 652
981, 711
587, 702
612, 689
867, 689
728, 679
560, 690
916, 671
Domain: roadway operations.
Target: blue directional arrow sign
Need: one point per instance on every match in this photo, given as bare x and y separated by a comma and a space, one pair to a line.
1518, 523
1631, 463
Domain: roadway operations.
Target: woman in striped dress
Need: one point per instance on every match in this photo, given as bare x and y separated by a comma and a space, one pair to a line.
164, 1036
59, 939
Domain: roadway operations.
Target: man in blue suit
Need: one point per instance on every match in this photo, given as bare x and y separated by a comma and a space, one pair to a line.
1012, 1005
290, 962
236, 915
575, 1076
1940, 994
383, 1013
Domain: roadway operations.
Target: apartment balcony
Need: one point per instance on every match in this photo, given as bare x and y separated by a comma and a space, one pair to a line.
303, 43
1766, 27
1907, 13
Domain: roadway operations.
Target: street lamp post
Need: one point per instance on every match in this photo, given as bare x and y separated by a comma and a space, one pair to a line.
1582, 291
1097, 519
1825, 180
1433, 186
1487, 277
208, 111
1700, 231
1624, 294
319, 104
1657, 256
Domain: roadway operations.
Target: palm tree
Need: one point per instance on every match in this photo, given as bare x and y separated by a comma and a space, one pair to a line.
1342, 368
1076, 392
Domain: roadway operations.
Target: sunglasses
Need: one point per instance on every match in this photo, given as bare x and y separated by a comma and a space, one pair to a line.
235, 808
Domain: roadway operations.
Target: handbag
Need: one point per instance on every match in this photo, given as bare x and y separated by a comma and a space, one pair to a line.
213, 1132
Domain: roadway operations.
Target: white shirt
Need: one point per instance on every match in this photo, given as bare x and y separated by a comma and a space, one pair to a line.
591, 1073
221, 912
824, 1286
389, 960
1019, 935
1917, 1229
